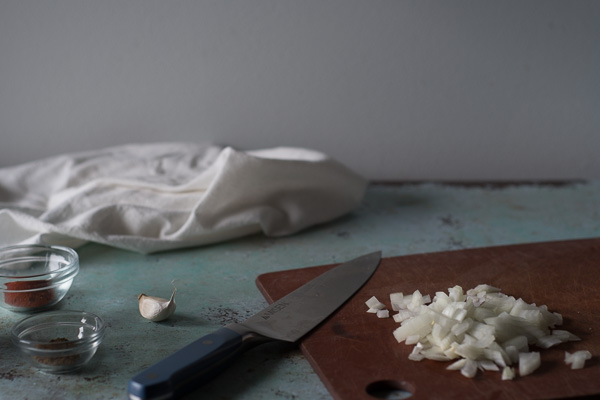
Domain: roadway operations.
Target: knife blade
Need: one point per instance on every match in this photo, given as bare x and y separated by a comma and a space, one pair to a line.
288, 319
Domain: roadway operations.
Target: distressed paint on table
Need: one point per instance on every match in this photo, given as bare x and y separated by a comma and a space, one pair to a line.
216, 283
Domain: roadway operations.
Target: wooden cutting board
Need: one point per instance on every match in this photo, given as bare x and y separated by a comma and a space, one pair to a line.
356, 356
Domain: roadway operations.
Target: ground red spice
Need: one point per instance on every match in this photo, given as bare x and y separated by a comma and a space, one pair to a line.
57, 344
36, 298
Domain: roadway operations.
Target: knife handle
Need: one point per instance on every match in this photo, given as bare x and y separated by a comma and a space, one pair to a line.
189, 367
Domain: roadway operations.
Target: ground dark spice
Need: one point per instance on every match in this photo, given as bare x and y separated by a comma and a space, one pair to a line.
35, 298
57, 344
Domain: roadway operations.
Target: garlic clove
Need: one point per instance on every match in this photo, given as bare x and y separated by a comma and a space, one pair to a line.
156, 308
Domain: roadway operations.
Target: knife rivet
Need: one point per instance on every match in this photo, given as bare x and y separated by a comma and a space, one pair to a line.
207, 341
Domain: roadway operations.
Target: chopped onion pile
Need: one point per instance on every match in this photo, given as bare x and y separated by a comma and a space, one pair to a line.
482, 329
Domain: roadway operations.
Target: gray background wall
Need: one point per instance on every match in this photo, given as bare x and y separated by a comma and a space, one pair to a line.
394, 89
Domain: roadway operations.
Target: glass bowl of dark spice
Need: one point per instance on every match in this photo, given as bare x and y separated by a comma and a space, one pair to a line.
59, 342
35, 277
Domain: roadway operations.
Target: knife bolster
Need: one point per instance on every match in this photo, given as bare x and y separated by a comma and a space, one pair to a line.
249, 338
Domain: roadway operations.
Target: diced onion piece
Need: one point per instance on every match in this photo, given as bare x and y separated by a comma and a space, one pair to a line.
519, 342
508, 373
413, 339
374, 303
469, 369
456, 293
469, 351
383, 313
450, 353
459, 329
488, 365
529, 362
513, 354
416, 355
415, 301
497, 354
565, 336
482, 332
577, 360
420, 324
482, 288
435, 354
508, 326
456, 365
545, 342
396, 301
403, 315
498, 302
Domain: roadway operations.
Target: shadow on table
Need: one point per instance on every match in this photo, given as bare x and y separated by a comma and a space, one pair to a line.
249, 374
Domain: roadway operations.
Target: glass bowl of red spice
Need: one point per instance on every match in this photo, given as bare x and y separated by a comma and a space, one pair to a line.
35, 277
61, 341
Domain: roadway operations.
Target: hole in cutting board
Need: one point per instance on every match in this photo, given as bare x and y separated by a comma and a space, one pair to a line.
389, 390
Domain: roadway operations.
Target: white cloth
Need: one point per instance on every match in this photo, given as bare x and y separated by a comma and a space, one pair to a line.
161, 196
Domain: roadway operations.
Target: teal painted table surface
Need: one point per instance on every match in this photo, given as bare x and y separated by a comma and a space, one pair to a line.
216, 284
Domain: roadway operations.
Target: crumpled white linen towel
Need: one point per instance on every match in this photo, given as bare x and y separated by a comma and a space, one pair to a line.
162, 196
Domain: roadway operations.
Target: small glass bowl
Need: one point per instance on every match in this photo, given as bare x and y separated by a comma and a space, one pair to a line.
59, 342
35, 277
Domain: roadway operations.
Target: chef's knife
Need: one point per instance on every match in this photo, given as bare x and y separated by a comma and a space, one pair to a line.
287, 319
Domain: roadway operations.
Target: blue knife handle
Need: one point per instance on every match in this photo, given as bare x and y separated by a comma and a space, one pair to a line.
189, 367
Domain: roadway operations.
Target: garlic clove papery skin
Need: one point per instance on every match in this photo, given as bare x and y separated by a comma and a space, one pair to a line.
156, 308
